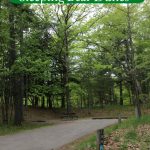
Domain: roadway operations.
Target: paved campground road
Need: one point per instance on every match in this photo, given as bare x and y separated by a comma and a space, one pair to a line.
53, 137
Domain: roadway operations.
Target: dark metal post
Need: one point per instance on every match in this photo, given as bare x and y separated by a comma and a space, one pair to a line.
100, 139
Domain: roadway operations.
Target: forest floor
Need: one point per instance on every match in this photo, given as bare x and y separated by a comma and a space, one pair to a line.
39, 114
54, 116
51, 138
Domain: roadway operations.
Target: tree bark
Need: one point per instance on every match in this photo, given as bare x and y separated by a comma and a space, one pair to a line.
66, 62
15, 79
121, 94
130, 53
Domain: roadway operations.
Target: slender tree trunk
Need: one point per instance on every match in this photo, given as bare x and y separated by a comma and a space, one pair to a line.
89, 106
16, 82
21, 75
121, 94
36, 101
136, 89
63, 100
81, 101
43, 102
49, 101
18, 105
25, 90
130, 96
11, 60
5, 80
101, 100
66, 65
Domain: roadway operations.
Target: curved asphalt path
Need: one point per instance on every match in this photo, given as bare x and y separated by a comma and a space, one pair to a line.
53, 137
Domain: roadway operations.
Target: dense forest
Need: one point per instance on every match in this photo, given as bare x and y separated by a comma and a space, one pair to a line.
73, 56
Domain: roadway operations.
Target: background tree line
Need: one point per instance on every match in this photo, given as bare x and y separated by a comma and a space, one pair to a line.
65, 56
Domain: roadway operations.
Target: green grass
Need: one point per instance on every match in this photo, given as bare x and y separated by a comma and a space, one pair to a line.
114, 107
11, 129
133, 122
131, 135
89, 143
129, 123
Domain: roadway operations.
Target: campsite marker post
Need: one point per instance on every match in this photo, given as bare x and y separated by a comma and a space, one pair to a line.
100, 139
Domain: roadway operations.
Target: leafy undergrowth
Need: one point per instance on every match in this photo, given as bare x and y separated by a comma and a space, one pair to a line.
129, 138
11, 129
131, 134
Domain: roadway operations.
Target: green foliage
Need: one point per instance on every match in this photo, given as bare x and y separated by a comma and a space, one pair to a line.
67, 48
90, 143
131, 135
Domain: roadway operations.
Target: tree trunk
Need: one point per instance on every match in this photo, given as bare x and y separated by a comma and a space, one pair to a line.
66, 64
130, 96
16, 80
81, 101
130, 54
63, 100
36, 101
136, 94
121, 94
49, 102
43, 102
21, 75
18, 103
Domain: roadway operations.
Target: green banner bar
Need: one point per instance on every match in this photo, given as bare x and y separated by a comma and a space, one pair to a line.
74, 1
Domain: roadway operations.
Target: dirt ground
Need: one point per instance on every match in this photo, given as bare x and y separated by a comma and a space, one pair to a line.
38, 114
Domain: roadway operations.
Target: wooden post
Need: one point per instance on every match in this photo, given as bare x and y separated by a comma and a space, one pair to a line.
119, 119
100, 139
